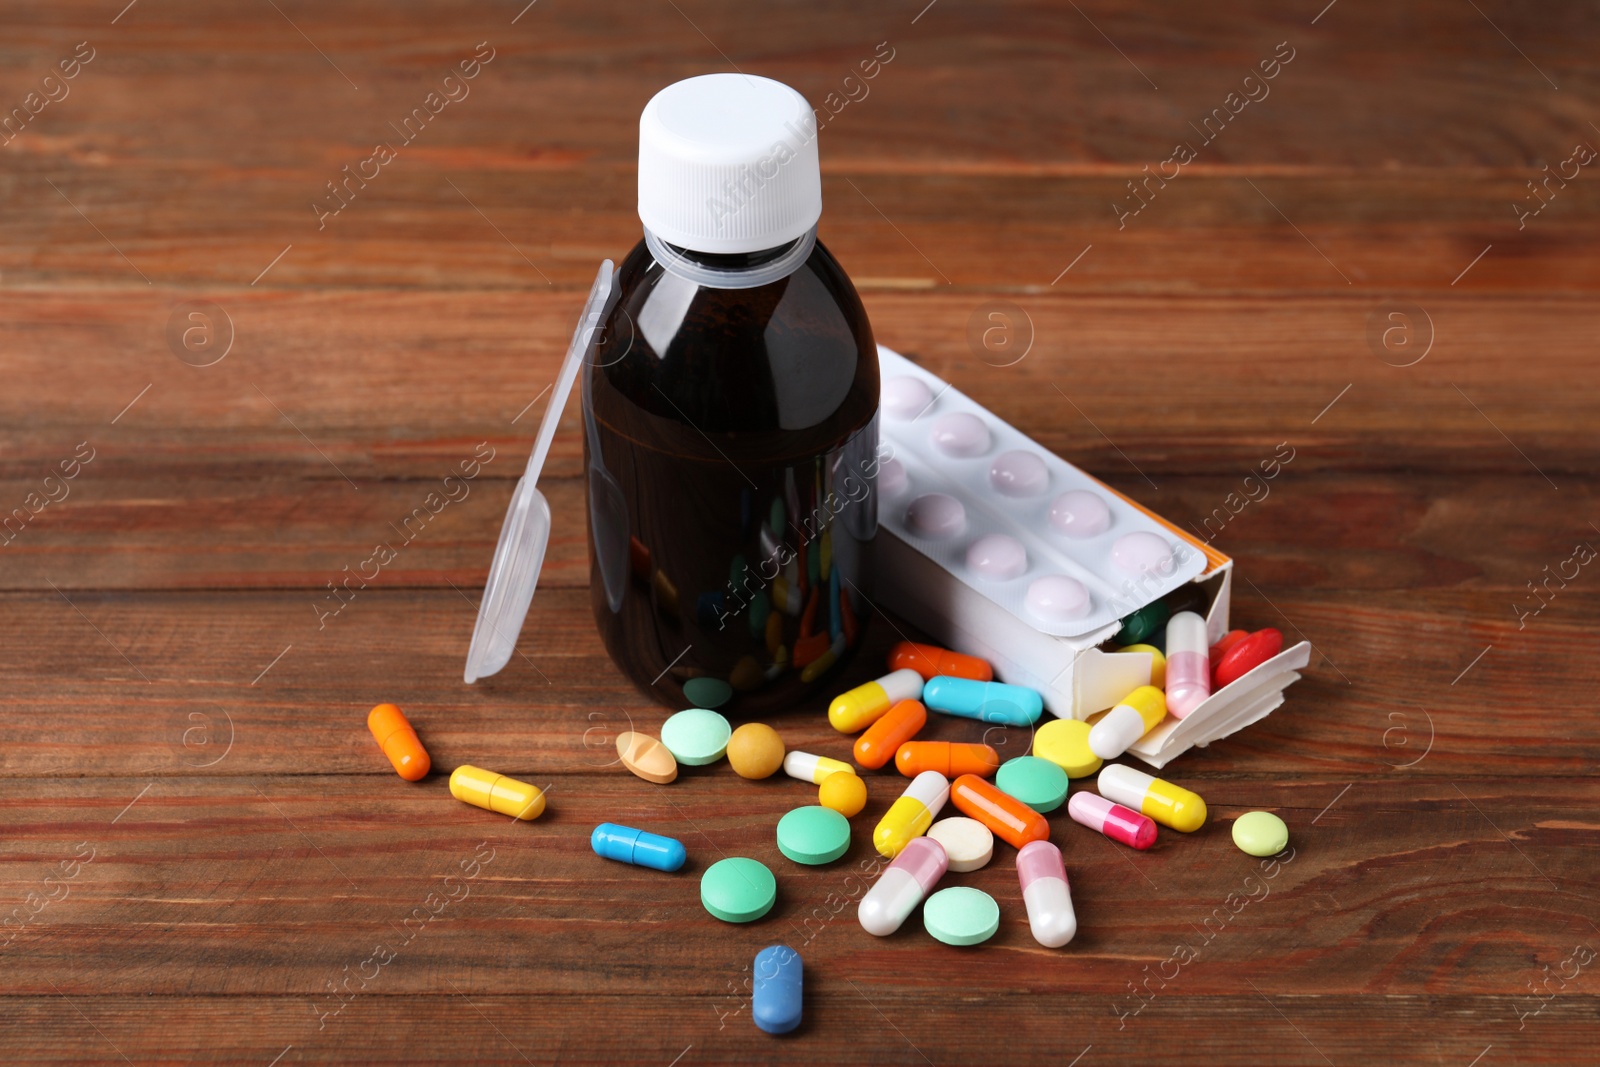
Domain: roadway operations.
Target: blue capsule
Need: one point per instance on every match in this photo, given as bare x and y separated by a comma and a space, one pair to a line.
775, 993
1009, 705
627, 845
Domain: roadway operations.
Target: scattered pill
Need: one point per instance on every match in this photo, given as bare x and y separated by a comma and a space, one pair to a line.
1247, 654
1038, 783
1008, 818
776, 991
1158, 663
813, 769
1134, 716
496, 792
1229, 639
843, 792
1019, 473
628, 845
1167, 804
755, 751
1188, 663
1260, 833
1115, 821
864, 705
1065, 742
813, 835
930, 661
399, 742
968, 844
950, 758
901, 887
646, 757
1141, 624
696, 737
707, 692
738, 890
883, 738
1046, 894
961, 915
997, 557
911, 814
1080, 514
996, 702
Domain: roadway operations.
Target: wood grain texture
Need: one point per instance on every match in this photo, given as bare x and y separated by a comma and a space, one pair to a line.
181, 719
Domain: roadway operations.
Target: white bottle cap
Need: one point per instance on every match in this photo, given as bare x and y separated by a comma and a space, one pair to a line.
728, 163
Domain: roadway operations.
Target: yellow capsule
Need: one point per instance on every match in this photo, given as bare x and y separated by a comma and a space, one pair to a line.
774, 633
864, 705
1167, 804
486, 789
910, 816
827, 554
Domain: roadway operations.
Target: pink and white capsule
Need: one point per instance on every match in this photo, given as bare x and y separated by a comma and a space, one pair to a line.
1044, 890
1188, 663
1113, 820
902, 886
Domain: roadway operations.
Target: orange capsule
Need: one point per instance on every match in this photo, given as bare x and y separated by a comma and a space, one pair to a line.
949, 758
399, 742
930, 661
1011, 820
883, 738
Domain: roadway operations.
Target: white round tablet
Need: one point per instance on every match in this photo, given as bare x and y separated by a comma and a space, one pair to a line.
967, 842
905, 397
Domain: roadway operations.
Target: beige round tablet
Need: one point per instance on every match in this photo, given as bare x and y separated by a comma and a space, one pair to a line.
967, 842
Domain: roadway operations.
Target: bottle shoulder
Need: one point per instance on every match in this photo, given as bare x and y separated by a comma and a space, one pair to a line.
790, 355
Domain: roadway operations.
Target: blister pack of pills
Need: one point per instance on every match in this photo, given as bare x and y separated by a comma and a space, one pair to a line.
1023, 527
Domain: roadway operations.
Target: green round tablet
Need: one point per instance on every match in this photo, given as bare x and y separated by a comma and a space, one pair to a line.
707, 692
1260, 833
813, 834
738, 890
961, 915
1038, 783
696, 737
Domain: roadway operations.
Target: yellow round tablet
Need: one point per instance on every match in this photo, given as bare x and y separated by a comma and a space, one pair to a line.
755, 750
844, 792
1065, 742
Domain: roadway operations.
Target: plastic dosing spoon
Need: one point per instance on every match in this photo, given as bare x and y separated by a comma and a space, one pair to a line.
526, 533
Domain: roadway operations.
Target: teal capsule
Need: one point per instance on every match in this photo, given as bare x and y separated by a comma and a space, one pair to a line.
1139, 625
1009, 705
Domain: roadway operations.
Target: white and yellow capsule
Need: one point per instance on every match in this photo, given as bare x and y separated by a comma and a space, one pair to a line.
812, 768
864, 705
1167, 804
1134, 716
910, 816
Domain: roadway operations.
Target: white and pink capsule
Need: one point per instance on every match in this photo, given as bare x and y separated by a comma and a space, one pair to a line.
901, 887
1188, 663
1044, 890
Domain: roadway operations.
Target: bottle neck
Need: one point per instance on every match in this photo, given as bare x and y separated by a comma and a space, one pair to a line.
737, 270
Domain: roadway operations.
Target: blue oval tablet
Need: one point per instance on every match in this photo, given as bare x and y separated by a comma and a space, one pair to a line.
775, 993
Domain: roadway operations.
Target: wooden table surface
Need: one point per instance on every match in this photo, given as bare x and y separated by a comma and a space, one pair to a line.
204, 859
